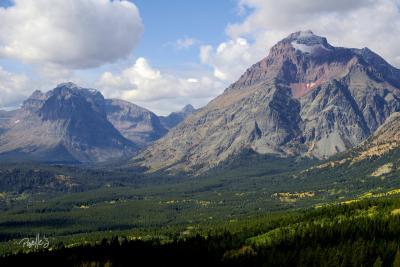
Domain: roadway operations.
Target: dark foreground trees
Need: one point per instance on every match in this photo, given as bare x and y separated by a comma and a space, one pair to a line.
361, 234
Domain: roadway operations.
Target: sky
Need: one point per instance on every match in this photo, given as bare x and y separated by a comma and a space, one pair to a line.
162, 54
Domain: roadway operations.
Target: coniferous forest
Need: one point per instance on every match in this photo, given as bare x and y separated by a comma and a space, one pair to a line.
253, 211
199, 133
360, 233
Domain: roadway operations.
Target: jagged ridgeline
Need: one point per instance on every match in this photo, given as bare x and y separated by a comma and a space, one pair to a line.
78, 125
306, 98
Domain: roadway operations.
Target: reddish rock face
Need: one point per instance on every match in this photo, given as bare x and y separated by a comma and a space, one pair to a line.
301, 89
303, 61
305, 98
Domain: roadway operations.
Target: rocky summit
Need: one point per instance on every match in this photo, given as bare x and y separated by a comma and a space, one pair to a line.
75, 124
177, 117
135, 123
306, 98
66, 124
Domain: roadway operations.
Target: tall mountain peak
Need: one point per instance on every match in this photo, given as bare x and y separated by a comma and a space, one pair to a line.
305, 97
72, 88
35, 101
68, 123
175, 118
308, 42
68, 85
188, 109
135, 123
37, 94
68, 99
304, 36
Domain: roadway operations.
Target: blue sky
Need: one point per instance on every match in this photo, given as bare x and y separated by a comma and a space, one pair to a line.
167, 21
164, 23
6, 3
165, 54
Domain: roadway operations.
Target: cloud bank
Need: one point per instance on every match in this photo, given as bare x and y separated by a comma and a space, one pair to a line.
161, 92
73, 34
13, 87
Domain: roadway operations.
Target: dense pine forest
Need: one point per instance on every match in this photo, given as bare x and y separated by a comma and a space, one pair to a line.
200, 133
252, 211
354, 233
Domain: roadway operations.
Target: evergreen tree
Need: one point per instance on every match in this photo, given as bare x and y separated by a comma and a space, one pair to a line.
396, 262
378, 262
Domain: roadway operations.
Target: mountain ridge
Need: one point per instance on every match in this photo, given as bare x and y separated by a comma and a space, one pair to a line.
135, 123
75, 124
174, 118
68, 124
306, 101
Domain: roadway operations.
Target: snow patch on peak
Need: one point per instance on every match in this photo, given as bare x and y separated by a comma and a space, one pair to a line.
307, 33
302, 47
72, 87
308, 42
309, 49
68, 85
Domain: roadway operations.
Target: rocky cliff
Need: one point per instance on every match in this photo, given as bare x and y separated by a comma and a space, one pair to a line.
66, 124
177, 117
135, 123
306, 98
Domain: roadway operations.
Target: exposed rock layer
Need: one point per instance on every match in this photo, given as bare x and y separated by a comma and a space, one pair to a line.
67, 124
305, 98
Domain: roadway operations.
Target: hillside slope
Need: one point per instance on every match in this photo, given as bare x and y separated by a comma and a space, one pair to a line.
305, 98
67, 124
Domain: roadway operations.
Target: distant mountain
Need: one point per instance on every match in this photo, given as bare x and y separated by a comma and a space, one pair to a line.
177, 117
66, 124
135, 123
306, 98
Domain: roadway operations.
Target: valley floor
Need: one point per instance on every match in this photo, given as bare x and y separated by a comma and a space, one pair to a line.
252, 211
358, 233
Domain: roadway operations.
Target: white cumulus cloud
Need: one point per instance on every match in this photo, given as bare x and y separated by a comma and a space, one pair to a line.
228, 58
73, 33
161, 92
13, 88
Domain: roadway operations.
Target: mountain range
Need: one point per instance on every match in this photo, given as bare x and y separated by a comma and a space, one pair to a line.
74, 124
177, 117
306, 98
